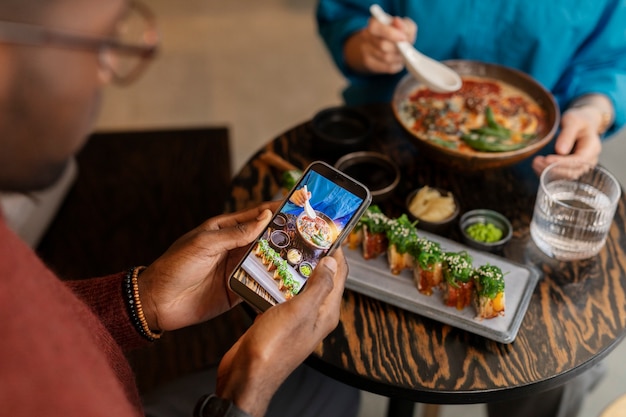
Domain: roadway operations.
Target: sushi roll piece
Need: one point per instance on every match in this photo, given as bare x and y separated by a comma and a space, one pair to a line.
274, 260
266, 256
375, 240
261, 247
289, 287
428, 265
355, 238
282, 270
489, 295
458, 285
402, 235
374, 244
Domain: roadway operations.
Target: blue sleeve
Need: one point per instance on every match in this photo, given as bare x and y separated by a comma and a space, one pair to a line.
569, 65
336, 21
599, 65
327, 198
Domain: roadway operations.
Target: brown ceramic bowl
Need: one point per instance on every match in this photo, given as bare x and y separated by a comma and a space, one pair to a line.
471, 160
302, 220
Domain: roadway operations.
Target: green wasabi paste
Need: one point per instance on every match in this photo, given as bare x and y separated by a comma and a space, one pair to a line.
484, 232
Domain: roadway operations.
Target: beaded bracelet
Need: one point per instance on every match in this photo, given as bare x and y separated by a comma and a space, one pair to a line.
133, 303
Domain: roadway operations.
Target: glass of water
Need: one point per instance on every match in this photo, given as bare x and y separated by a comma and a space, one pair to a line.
574, 210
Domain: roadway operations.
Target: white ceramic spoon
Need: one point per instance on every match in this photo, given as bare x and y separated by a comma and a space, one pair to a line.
308, 209
437, 76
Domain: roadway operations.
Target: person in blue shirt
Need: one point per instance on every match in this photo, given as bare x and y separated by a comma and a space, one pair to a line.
576, 49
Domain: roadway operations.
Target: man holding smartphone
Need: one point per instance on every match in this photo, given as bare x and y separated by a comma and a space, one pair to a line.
63, 342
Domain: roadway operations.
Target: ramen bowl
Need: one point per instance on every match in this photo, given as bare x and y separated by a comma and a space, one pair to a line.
463, 157
318, 233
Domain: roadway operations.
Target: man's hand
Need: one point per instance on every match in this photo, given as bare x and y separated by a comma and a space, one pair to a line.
188, 283
281, 338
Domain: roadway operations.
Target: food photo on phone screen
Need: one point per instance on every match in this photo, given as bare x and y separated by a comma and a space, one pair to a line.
303, 231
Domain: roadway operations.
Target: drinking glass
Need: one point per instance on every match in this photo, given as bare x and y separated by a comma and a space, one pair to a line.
574, 210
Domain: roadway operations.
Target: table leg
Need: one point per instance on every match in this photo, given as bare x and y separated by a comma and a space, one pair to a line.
400, 408
430, 410
403, 408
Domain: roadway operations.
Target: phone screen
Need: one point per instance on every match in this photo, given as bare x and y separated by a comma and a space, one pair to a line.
284, 256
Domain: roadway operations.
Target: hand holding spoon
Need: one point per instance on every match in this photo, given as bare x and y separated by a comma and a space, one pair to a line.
437, 76
308, 209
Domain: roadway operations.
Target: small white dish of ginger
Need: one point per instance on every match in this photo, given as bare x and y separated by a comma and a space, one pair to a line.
434, 208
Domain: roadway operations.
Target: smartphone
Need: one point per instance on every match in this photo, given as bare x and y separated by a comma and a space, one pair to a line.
281, 259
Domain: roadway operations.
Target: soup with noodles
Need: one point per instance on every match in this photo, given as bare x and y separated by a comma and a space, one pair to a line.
315, 231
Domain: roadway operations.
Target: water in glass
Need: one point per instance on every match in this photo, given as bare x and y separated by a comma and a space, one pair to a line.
571, 219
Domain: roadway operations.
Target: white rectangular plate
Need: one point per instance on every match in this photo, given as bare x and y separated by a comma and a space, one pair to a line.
373, 278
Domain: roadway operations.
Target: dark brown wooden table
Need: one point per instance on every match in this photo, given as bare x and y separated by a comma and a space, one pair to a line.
135, 194
576, 315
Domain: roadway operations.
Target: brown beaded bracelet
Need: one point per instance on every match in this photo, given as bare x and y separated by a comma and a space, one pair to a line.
133, 303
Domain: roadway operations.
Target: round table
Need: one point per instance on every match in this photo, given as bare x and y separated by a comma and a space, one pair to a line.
575, 317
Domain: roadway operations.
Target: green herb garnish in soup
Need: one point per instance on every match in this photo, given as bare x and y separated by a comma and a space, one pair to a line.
317, 231
484, 232
493, 137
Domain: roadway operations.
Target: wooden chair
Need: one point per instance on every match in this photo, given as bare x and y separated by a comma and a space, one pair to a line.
135, 194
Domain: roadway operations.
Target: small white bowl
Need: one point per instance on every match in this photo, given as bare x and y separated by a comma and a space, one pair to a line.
439, 227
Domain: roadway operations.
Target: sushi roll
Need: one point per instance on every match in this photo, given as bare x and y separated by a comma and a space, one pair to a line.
266, 256
375, 240
489, 295
274, 260
282, 270
458, 285
355, 238
427, 270
261, 247
402, 235
289, 287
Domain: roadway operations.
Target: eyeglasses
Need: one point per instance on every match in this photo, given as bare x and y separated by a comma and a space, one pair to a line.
124, 55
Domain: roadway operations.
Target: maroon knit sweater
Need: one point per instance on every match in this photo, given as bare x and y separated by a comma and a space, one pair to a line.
61, 343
